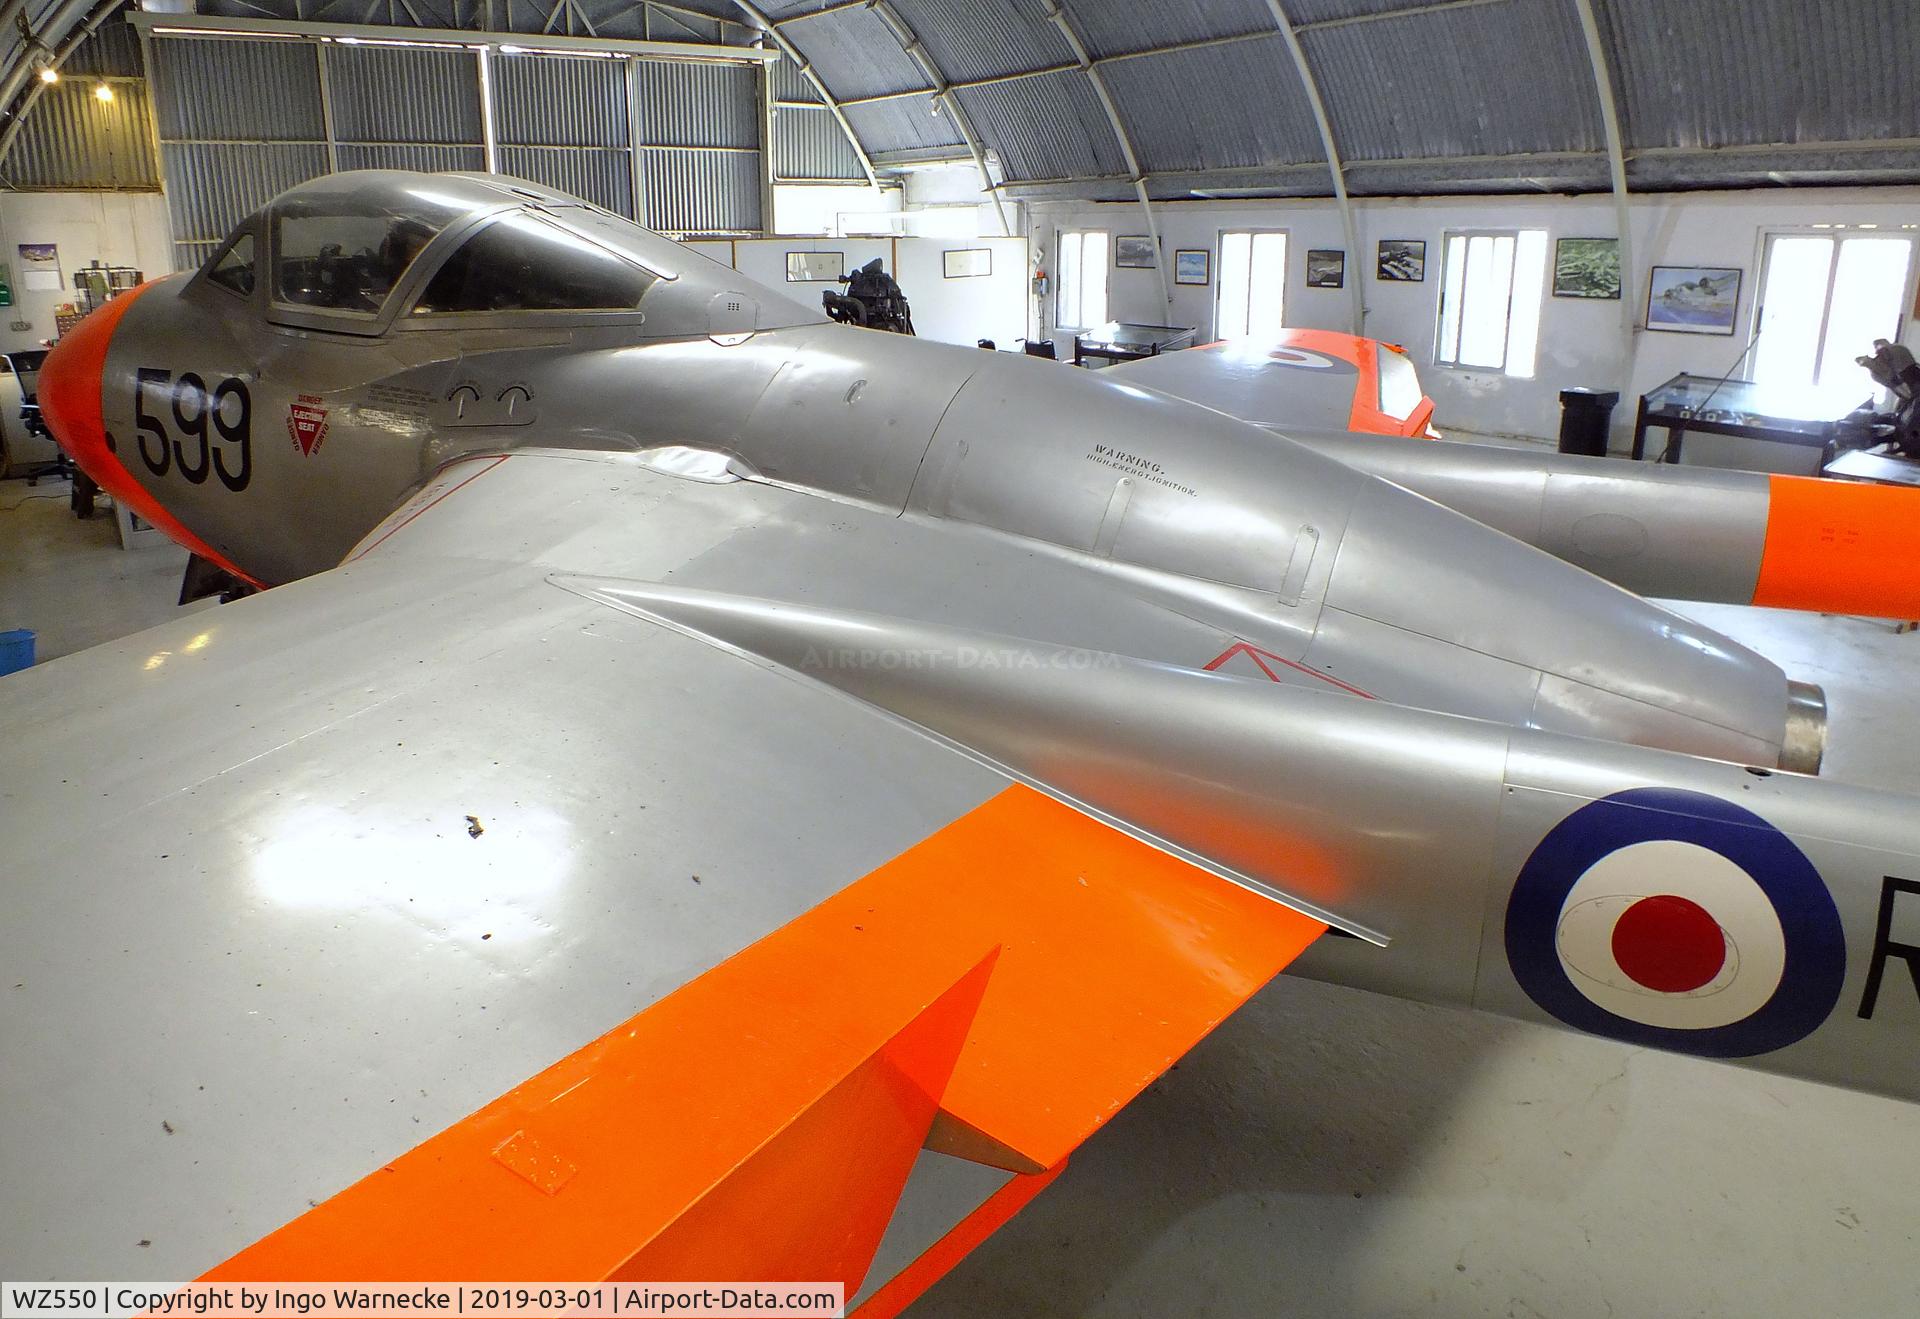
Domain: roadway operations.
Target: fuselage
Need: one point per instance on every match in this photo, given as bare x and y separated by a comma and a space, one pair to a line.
273, 437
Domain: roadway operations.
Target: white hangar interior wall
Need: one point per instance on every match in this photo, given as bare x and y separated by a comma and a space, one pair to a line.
114, 228
1581, 341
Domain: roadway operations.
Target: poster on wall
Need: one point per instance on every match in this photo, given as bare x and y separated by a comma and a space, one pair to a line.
40, 267
1401, 261
6, 285
1133, 253
1586, 268
816, 267
1693, 299
1326, 268
966, 262
1192, 265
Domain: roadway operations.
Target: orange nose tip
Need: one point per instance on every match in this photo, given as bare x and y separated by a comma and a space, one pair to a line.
69, 392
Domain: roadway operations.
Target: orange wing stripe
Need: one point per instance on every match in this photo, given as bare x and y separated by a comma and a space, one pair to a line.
1024, 972
1844, 547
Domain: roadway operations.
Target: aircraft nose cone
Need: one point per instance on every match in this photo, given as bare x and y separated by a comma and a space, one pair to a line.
69, 393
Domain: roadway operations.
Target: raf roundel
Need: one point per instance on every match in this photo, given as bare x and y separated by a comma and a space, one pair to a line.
1679, 921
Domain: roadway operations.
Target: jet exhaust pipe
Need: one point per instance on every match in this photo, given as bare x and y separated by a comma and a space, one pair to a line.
1806, 741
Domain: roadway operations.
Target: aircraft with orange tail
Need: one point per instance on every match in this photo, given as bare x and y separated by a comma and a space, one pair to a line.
704, 778
1677, 533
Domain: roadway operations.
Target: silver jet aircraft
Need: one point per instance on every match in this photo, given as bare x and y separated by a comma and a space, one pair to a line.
706, 777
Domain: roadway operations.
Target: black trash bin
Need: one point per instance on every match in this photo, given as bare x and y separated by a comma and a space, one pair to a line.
1586, 415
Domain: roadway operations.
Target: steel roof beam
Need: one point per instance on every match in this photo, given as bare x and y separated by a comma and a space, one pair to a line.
1617, 167
1312, 88
75, 36
834, 106
1380, 15
203, 26
910, 42
1059, 19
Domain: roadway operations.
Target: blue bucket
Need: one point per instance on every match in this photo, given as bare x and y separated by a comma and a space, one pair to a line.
16, 650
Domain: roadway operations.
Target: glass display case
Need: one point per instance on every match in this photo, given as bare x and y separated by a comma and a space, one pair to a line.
1742, 408
1123, 341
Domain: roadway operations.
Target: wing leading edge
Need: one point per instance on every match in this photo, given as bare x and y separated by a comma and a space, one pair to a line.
241, 872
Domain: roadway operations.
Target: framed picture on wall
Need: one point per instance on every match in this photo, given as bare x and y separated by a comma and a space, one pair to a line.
1693, 299
966, 262
1401, 261
815, 267
1192, 265
1133, 252
1326, 268
1586, 268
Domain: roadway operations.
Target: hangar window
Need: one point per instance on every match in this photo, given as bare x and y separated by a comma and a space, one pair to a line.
1824, 299
1491, 287
524, 263
1253, 285
1083, 279
233, 269
338, 253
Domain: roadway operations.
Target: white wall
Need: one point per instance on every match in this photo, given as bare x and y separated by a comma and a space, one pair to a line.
117, 228
1582, 341
765, 260
960, 311
832, 209
969, 309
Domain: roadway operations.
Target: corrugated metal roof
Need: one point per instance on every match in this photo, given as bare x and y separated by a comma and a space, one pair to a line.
1303, 12
701, 192
601, 175
906, 124
855, 53
1215, 107
389, 94
1715, 73
411, 155
969, 39
1048, 127
698, 105
1424, 95
1111, 29
789, 84
1487, 80
808, 144
790, 8
548, 100
74, 140
211, 187
236, 91
113, 51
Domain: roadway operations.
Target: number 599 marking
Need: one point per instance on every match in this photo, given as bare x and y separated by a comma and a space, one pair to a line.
224, 416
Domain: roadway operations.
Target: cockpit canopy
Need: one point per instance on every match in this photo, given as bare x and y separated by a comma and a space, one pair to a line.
369, 251
347, 252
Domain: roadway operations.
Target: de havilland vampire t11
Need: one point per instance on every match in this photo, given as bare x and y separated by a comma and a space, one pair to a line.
703, 769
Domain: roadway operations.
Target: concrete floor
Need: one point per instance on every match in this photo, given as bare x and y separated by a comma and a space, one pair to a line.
1329, 1152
